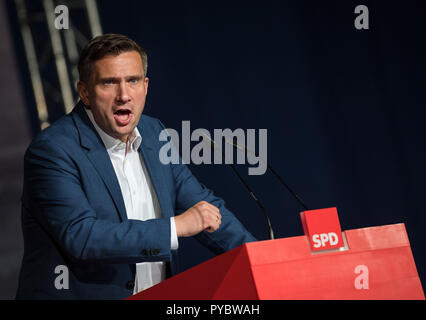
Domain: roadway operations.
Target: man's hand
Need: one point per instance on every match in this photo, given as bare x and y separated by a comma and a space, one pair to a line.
202, 216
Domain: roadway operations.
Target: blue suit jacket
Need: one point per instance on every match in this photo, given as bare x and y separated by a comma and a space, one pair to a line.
73, 213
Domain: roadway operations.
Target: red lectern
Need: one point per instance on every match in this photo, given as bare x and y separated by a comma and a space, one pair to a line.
376, 263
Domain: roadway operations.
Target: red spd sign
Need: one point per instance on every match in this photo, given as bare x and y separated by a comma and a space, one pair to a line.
322, 227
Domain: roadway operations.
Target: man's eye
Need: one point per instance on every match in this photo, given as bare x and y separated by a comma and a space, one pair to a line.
133, 80
107, 82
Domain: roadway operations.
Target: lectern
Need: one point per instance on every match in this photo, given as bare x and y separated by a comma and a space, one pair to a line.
374, 263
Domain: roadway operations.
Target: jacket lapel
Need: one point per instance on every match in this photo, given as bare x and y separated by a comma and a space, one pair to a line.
98, 156
155, 169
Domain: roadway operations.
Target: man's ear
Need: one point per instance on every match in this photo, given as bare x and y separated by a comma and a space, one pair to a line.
146, 85
83, 93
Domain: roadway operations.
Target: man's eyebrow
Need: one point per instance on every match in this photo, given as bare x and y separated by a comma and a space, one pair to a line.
136, 76
108, 79
117, 79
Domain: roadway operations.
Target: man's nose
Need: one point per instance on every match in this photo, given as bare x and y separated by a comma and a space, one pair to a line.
123, 94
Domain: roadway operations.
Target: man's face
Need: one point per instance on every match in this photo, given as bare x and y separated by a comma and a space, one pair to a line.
116, 92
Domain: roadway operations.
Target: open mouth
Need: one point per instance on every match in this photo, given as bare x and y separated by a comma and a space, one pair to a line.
123, 117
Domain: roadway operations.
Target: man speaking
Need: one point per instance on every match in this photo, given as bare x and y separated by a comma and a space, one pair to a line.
98, 202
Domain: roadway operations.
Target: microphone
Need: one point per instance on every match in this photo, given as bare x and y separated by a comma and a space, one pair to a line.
238, 146
250, 191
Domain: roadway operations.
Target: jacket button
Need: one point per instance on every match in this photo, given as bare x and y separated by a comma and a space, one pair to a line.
155, 252
130, 285
144, 252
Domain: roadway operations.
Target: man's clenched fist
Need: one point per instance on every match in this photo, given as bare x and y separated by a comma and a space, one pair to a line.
202, 216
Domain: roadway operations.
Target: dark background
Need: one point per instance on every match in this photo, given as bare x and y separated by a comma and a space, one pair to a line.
344, 108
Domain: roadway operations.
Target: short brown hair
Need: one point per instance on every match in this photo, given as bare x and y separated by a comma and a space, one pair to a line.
104, 45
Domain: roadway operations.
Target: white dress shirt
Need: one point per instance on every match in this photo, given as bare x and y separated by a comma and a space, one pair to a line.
139, 197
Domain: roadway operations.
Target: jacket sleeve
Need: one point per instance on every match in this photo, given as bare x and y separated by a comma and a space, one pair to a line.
54, 197
189, 191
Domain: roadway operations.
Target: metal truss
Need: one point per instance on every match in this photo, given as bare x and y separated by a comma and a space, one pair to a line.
52, 54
